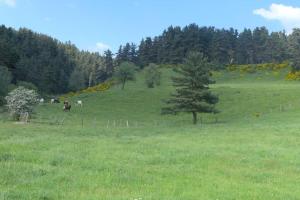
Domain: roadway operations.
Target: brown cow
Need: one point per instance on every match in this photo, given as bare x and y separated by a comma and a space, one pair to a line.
67, 106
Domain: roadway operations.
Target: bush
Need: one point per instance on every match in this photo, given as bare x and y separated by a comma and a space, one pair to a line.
97, 88
21, 101
252, 68
293, 76
152, 75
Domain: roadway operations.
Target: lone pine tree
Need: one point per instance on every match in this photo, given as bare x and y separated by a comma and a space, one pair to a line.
192, 88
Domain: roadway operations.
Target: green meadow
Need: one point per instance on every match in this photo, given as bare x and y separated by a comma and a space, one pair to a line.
119, 147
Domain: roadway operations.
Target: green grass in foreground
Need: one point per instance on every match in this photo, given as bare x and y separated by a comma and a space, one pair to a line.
248, 151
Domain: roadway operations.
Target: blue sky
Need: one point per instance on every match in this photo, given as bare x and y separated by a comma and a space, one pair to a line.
98, 24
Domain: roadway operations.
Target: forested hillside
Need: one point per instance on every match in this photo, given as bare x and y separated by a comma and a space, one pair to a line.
221, 46
52, 66
55, 67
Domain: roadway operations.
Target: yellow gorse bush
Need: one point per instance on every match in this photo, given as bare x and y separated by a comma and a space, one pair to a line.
97, 88
252, 68
293, 76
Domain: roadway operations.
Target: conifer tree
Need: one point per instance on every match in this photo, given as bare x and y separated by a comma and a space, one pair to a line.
108, 62
294, 46
5, 79
192, 88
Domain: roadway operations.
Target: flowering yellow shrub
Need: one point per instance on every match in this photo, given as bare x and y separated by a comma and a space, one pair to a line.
97, 88
293, 76
242, 68
251, 68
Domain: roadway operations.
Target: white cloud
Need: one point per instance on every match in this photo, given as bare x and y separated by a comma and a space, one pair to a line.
101, 47
288, 16
10, 3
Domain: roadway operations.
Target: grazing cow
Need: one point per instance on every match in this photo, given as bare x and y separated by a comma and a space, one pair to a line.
67, 106
55, 101
42, 100
79, 103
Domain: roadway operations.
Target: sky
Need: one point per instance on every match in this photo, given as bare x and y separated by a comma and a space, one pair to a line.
97, 25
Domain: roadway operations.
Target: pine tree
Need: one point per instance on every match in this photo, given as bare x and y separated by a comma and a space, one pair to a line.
145, 48
133, 57
294, 46
277, 47
260, 39
76, 80
120, 56
245, 51
5, 79
192, 91
126, 53
108, 62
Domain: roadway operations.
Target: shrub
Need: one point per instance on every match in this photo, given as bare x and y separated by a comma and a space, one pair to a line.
293, 76
152, 75
21, 101
252, 68
97, 88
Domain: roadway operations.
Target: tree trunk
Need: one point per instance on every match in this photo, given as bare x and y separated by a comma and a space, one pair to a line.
123, 85
194, 117
90, 79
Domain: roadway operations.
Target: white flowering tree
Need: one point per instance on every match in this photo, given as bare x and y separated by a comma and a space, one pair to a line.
21, 101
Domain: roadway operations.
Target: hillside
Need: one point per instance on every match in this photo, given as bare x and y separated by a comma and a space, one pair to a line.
248, 151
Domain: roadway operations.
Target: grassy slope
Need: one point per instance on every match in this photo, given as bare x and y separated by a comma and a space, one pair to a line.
159, 157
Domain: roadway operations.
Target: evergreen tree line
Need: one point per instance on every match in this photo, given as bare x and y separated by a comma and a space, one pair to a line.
55, 67
220, 46
52, 66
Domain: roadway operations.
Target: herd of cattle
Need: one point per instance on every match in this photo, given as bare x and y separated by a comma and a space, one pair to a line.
67, 105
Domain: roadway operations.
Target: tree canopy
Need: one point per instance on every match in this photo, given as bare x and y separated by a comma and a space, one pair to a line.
221, 46
53, 66
125, 72
44, 61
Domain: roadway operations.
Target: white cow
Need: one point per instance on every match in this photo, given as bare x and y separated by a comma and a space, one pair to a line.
79, 103
54, 101
42, 100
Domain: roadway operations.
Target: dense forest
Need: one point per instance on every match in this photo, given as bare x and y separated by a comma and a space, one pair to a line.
52, 66
220, 46
55, 67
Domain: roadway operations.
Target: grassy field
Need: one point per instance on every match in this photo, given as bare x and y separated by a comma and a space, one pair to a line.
248, 151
